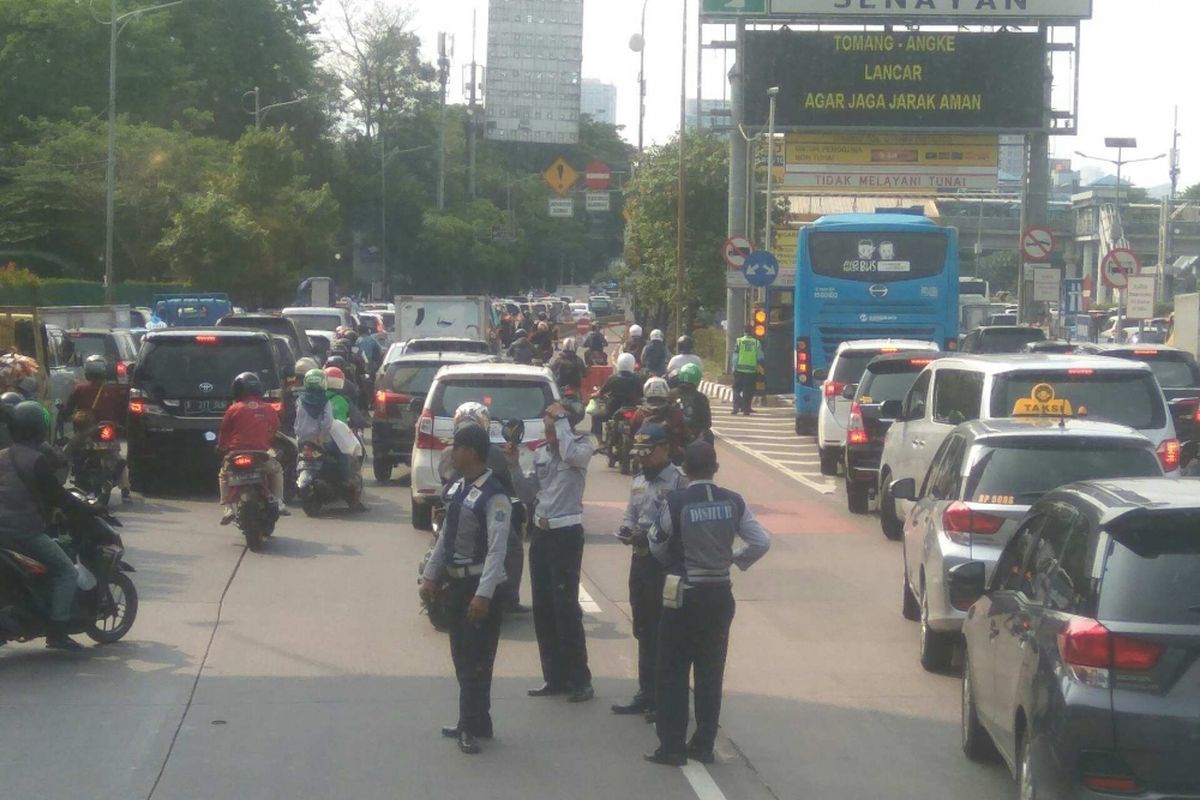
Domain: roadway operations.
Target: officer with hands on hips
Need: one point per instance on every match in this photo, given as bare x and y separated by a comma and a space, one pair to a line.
694, 539
469, 556
658, 477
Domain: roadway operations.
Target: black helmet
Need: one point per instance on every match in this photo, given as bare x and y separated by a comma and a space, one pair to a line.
247, 384
336, 361
28, 422
10, 399
350, 335
95, 368
684, 344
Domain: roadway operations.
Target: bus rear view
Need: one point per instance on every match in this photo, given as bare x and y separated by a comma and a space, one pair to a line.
869, 276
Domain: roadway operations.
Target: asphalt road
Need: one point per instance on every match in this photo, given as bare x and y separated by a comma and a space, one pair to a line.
306, 672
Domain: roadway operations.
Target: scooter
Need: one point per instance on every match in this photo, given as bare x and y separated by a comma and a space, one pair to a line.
106, 600
253, 510
98, 465
319, 481
618, 439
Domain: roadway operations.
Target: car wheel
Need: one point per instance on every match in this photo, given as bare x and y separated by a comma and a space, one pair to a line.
383, 469
139, 478
422, 516
893, 527
911, 608
829, 461
936, 648
858, 497
1027, 774
976, 742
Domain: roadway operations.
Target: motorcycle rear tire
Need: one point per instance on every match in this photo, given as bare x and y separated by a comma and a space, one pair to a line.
124, 583
255, 537
383, 469
311, 506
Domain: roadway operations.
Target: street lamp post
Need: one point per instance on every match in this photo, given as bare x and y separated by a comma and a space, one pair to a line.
637, 44
116, 24
682, 204
773, 94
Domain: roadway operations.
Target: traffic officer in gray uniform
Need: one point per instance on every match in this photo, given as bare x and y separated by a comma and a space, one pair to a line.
556, 549
658, 477
469, 556
694, 539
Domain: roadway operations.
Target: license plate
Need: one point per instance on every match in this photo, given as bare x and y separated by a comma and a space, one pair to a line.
191, 407
106, 445
244, 478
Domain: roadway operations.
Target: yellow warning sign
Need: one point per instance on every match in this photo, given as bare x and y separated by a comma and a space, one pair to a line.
560, 176
1042, 402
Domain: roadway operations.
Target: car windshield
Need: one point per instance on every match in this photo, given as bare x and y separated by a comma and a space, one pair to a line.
409, 378
1152, 573
1022, 472
1173, 370
317, 321
89, 344
877, 257
505, 398
1008, 341
276, 325
1127, 398
851, 364
182, 367
879, 387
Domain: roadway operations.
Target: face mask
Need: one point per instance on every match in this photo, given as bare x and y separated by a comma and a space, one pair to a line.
651, 473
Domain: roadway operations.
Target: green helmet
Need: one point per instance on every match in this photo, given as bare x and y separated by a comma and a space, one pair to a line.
690, 373
29, 422
314, 379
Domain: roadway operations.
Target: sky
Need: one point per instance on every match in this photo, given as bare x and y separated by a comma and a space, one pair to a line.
1137, 63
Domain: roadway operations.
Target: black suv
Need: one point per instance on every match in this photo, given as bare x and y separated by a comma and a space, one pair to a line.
400, 392
181, 386
272, 323
1177, 373
1000, 339
1083, 654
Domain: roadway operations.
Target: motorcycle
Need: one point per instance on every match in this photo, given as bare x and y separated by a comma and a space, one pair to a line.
284, 448
596, 358
319, 481
254, 512
106, 600
618, 440
97, 467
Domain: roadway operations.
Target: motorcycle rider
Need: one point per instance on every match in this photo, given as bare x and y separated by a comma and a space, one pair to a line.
655, 355
684, 354
622, 390
372, 352
697, 412
595, 345
349, 388
29, 490
568, 367
635, 343
543, 341
8, 401
92, 402
249, 425
659, 408
339, 394
521, 350
314, 423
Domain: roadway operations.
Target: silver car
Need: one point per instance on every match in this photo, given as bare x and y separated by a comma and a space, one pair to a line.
982, 481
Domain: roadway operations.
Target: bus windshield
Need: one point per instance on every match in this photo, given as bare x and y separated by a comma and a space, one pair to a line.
878, 258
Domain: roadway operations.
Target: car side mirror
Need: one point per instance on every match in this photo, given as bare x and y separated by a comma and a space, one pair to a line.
917, 411
513, 431
905, 489
891, 409
967, 583
1187, 453
416, 405
849, 392
821, 374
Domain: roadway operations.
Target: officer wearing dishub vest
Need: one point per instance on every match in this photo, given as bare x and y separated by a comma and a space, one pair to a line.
469, 557
658, 477
694, 539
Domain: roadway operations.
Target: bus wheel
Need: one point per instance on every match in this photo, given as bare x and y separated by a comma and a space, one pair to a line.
805, 427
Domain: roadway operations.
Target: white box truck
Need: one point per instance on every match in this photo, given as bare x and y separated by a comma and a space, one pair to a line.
443, 315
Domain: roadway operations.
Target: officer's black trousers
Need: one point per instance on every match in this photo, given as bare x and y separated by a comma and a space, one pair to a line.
555, 561
509, 592
743, 390
473, 648
694, 636
646, 577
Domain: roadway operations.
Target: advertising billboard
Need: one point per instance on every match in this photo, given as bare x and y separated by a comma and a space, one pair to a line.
888, 163
535, 53
975, 11
898, 79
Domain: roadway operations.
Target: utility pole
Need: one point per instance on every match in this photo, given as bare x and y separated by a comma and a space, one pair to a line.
681, 205
443, 77
382, 201
739, 172
1168, 235
471, 122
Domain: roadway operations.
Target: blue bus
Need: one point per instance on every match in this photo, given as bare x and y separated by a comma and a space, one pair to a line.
869, 276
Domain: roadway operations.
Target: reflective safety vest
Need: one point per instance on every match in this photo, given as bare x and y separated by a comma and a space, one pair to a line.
747, 354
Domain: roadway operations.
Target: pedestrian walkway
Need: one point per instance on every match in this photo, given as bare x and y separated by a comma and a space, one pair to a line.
769, 434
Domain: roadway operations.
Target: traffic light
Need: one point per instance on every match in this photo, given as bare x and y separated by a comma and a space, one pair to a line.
760, 324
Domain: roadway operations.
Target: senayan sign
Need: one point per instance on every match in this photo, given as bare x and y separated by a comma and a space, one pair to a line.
978, 11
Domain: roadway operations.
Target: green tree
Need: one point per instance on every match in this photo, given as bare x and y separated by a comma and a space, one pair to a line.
1192, 193
650, 246
999, 269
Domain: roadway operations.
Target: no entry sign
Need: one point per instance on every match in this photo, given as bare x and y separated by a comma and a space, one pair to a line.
597, 176
1119, 266
1037, 244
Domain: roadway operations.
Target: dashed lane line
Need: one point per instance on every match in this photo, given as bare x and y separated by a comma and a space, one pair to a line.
586, 602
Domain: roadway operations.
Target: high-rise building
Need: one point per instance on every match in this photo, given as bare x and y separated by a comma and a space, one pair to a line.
713, 113
599, 101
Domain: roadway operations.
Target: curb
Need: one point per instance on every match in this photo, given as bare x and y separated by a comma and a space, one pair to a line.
717, 391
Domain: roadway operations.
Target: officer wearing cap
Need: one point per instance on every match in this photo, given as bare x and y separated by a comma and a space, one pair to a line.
658, 477
694, 540
469, 557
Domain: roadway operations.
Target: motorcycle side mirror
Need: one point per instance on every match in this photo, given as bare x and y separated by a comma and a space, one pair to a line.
513, 431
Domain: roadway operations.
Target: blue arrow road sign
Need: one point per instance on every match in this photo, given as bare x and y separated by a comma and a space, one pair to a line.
761, 268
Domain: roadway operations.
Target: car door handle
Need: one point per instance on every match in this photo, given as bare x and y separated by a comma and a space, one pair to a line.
918, 442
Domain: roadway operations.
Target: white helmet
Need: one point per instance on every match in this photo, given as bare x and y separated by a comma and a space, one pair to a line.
472, 413
626, 362
635, 331
569, 345
656, 335
656, 391
304, 364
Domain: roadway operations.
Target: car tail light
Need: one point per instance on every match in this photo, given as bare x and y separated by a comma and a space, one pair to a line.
1091, 652
920, 362
206, 340
107, 433
275, 404
1196, 415
1081, 372
425, 438
803, 361
833, 388
1168, 454
122, 369
385, 400
628, 415
1145, 352
1112, 784
888, 350
137, 407
961, 522
243, 461
856, 432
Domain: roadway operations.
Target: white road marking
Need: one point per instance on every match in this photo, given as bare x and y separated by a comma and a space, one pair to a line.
586, 602
701, 782
823, 488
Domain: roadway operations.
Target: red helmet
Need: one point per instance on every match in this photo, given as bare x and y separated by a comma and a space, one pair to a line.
334, 372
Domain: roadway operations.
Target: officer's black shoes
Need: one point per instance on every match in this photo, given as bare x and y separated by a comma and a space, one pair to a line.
467, 743
451, 732
60, 641
125, 496
547, 690
582, 694
516, 608
660, 756
638, 705
703, 756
